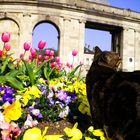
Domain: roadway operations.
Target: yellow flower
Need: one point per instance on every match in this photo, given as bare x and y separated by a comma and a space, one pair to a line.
84, 109
53, 137
35, 91
29, 93
75, 133
88, 138
41, 81
98, 132
91, 129
13, 111
33, 134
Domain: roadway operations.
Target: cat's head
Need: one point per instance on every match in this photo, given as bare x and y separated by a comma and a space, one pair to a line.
106, 58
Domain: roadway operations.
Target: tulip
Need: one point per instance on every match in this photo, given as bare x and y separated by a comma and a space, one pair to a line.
33, 52
46, 57
39, 56
47, 52
57, 59
21, 55
5, 37
26, 46
53, 64
1, 53
39, 63
51, 53
69, 65
41, 44
30, 57
7, 47
74, 52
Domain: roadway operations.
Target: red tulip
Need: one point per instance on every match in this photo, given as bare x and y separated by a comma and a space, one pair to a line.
1, 52
74, 52
7, 47
26, 46
5, 37
41, 44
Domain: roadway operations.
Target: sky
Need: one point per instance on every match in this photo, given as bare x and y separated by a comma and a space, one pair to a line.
48, 32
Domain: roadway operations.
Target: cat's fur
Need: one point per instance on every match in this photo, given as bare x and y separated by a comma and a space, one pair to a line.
114, 97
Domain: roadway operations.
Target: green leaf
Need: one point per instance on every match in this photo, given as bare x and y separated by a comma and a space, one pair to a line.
30, 72
12, 82
71, 74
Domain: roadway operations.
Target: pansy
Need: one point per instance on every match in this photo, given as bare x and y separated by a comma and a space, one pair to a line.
33, 133
13, 111
74, 133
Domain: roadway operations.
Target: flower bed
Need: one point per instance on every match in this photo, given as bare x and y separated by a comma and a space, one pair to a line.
40, 91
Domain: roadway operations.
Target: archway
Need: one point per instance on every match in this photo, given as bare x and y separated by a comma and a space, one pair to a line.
10, 26
46, 31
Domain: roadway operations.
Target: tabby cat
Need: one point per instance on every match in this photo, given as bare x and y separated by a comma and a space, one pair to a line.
114, 97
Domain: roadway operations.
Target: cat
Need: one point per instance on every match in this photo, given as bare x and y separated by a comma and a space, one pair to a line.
114, 96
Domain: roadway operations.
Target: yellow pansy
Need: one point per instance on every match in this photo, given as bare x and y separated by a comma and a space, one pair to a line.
33, 134
35, 91
98, 132
53, 137
88, 138
13, 111
75, 133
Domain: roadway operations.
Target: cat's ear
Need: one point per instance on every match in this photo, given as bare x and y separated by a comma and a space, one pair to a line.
97, 51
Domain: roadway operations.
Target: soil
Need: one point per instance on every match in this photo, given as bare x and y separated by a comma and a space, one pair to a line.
58, 127
55, 127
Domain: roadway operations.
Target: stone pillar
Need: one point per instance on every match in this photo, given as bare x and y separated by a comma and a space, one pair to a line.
72, 37
25, 30
137, 50
128, 50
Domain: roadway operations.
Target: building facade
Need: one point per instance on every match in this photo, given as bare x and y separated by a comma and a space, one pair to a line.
70, 17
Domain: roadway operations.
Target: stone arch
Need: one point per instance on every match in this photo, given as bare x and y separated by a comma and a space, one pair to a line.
55, 29
9, 25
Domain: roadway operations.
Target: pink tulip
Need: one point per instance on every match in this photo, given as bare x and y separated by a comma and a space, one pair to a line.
69, 65
7, 47
21, 55
47, 52
41, 44
46, 57
51, 53
53, 64
40, 57
5, 37
26, 46
57, 59
33, 52
27, 59
1, 53
74, 52
39, 63
30, 57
